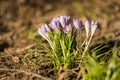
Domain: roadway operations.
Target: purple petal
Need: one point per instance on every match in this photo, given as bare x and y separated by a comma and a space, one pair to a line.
55, 24
77, 23
92, 22
42, 30
64, 20
93, 27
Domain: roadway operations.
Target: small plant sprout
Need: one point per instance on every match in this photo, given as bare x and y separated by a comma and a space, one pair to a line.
61, 36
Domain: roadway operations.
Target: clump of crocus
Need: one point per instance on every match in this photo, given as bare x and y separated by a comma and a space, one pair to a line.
61, 36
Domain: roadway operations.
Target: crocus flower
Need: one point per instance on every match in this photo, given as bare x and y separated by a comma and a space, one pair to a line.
55, 24
90, 27
64, 20
42, 31
77, 23
87, 27
93, 27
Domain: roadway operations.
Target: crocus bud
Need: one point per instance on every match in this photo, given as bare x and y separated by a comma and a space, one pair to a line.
77, 23
64, 20
93, 27
55, 24
43, 29
87, 27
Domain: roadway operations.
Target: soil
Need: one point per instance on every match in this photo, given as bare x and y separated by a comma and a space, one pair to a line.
20, 57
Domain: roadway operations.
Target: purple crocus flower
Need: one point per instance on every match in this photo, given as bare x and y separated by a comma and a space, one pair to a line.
90, 26
43, 29
55, 24
93, 27
64, 20
77, 23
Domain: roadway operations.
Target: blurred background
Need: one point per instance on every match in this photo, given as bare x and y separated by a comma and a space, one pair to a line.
20, 19
20, 42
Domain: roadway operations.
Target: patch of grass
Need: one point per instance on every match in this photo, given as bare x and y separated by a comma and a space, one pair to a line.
101, 70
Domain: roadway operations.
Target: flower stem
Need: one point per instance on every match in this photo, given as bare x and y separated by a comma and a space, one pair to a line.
87, 45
